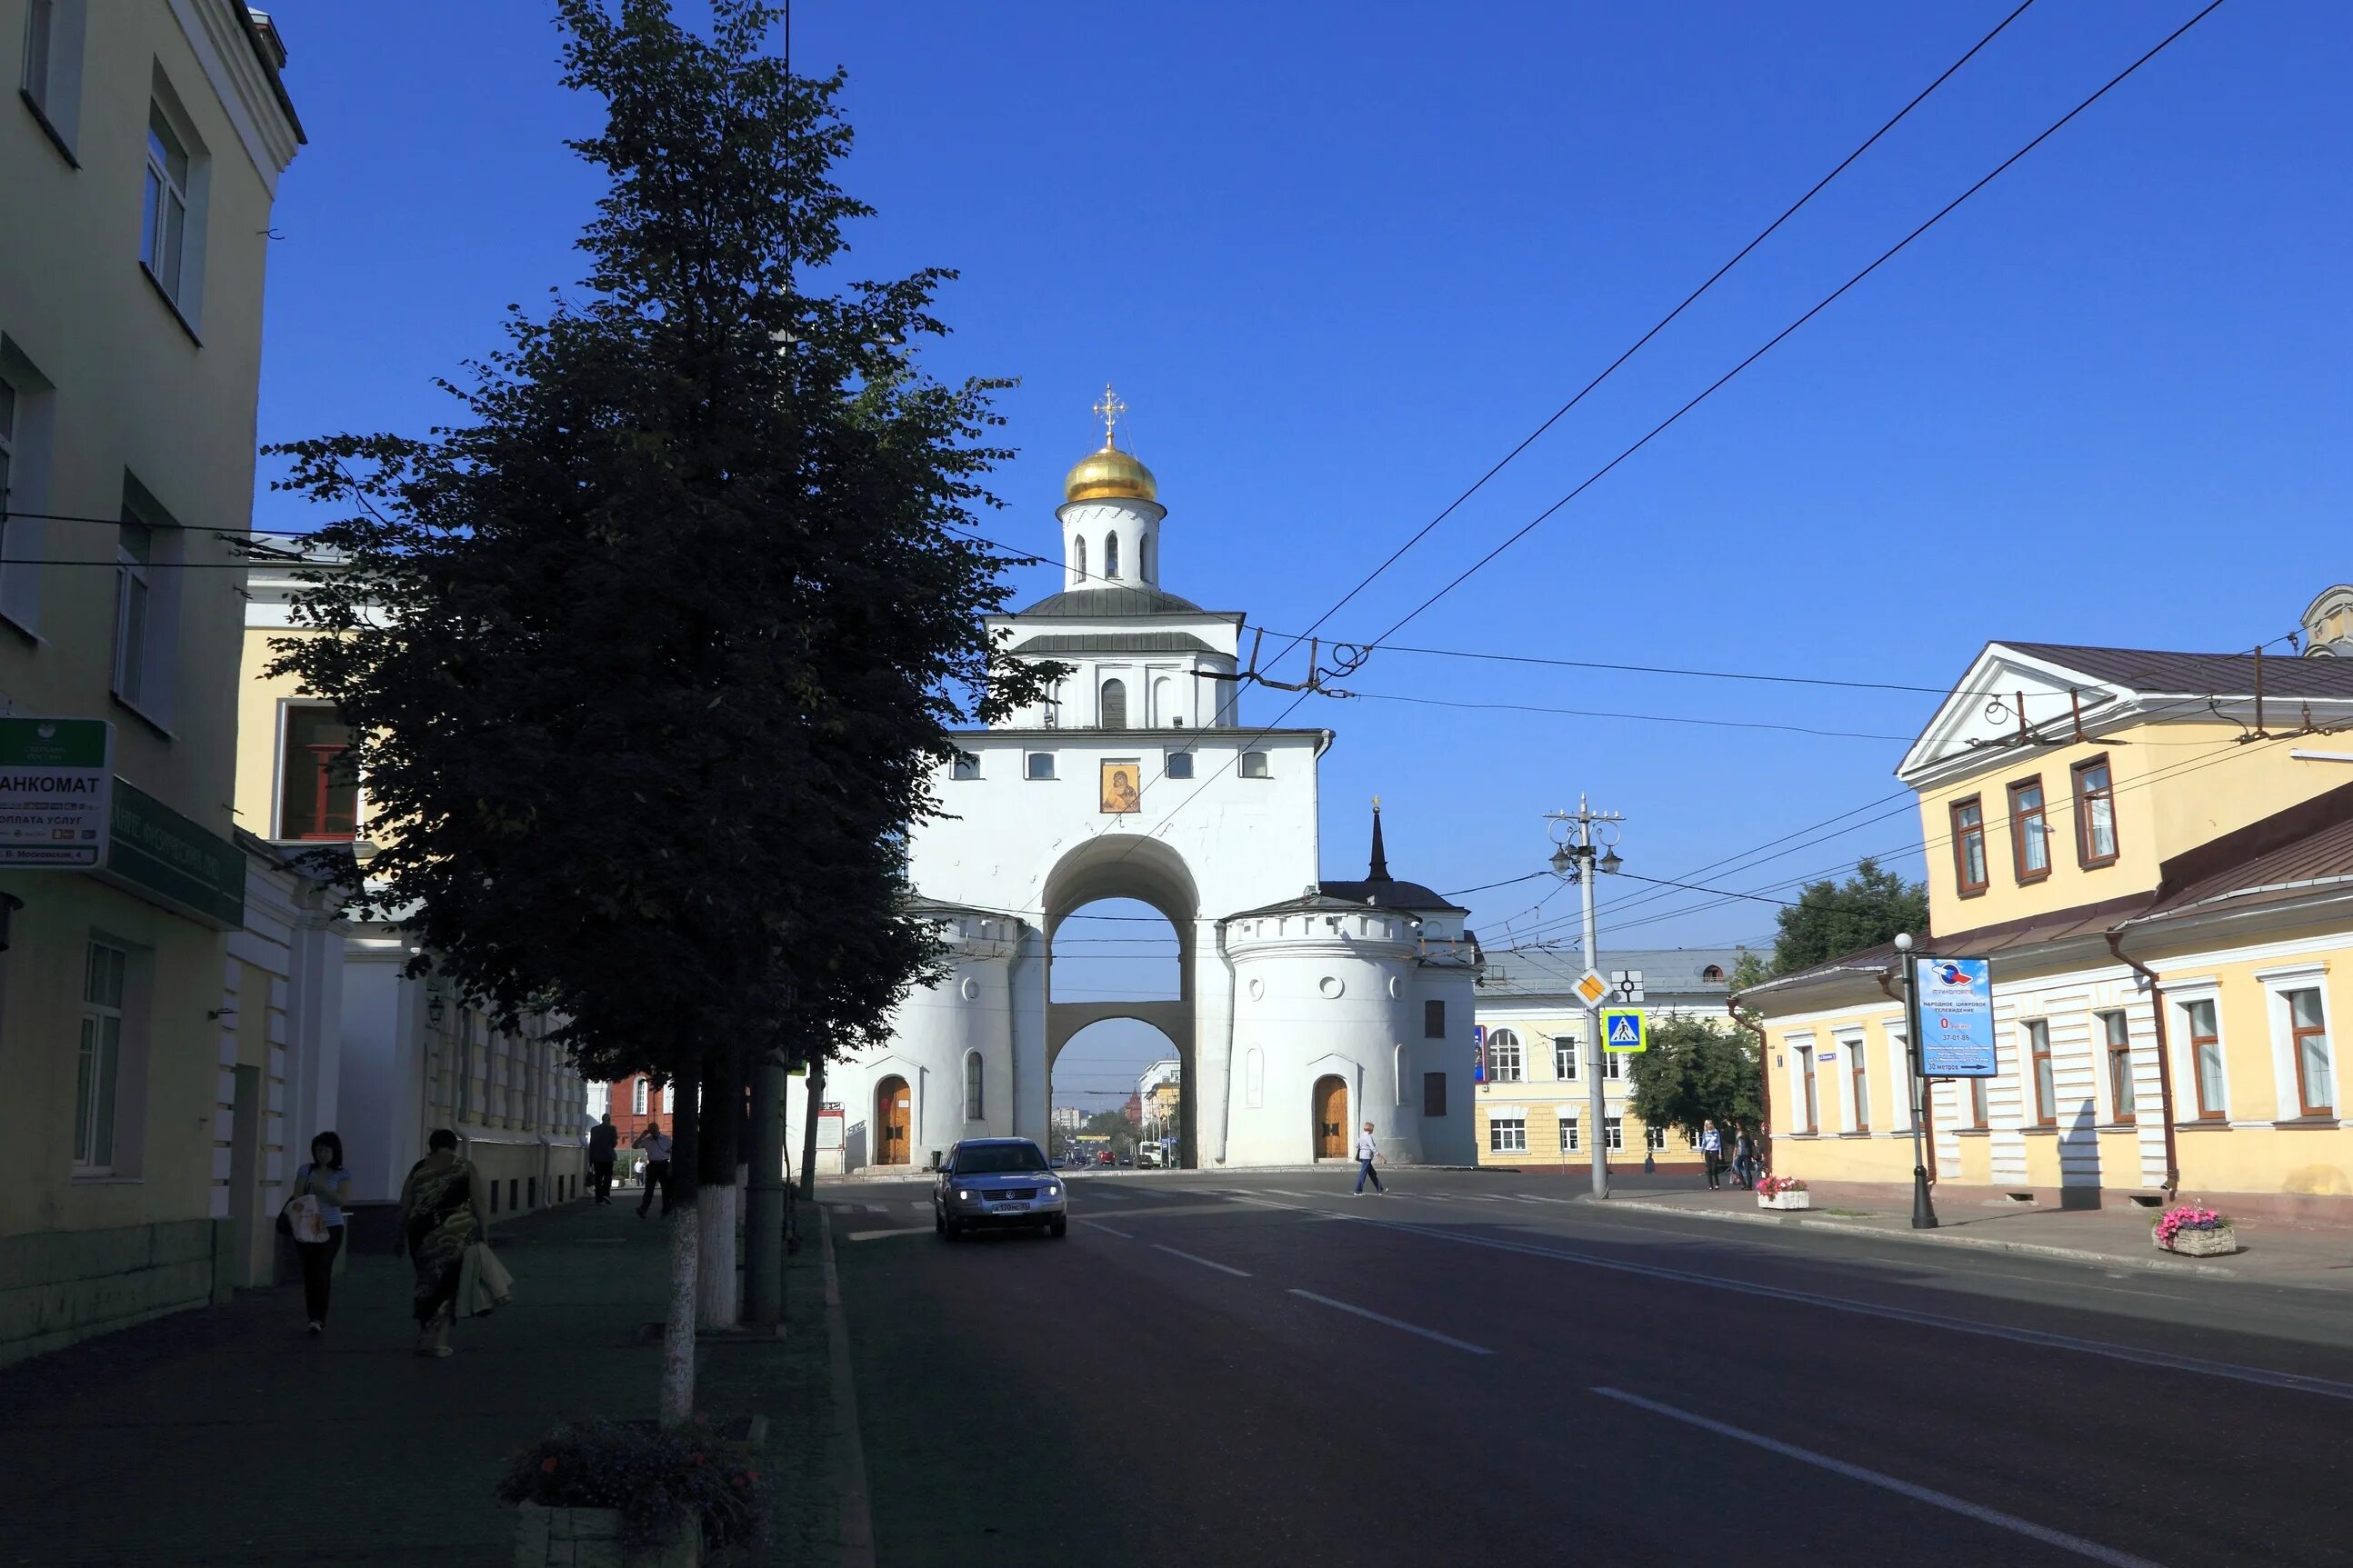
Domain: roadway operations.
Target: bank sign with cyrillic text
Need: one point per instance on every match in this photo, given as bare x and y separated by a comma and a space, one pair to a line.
1955, 999
57, 792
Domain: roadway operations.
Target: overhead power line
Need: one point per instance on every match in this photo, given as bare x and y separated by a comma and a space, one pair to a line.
1776, 339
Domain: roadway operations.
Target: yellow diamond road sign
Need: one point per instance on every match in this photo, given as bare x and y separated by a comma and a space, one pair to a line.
1592, 989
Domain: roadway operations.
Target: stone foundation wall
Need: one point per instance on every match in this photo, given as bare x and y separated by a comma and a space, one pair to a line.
56, 1286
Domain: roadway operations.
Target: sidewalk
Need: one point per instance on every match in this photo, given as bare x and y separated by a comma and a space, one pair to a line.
2271, 1251
223, 1437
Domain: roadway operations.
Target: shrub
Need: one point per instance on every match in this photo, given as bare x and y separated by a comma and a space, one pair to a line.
657, 1479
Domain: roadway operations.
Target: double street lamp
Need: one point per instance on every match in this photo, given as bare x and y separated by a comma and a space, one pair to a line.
1586, 841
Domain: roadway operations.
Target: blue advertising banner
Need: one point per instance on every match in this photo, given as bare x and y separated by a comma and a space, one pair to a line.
1955, 1002
1478, 1053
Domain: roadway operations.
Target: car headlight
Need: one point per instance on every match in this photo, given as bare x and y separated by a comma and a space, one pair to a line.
964, 1194
1054, 1192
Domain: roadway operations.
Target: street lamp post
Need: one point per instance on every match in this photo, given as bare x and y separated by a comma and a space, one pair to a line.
1923, 1210
1577, 837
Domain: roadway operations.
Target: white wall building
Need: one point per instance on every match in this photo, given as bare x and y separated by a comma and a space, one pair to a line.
1307, 1006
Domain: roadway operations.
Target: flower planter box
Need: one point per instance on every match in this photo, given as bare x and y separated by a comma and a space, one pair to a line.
1799, 1200
2214, 1243
591, 1538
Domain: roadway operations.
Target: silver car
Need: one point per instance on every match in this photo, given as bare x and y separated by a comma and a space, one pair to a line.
995, 1183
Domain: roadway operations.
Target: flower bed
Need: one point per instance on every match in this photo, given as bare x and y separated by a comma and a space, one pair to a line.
2195, 1231
668, 1493
1783, 1193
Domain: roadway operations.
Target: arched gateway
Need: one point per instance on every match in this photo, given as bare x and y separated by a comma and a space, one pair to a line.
1137, 779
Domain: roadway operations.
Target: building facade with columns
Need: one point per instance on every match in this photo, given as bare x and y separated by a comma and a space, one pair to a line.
1307, 1005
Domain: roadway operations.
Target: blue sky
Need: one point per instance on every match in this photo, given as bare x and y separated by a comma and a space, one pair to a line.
1340, 258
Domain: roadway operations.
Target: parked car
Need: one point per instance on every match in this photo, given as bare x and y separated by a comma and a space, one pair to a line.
993, 1183
1147, 1155
1106, 1158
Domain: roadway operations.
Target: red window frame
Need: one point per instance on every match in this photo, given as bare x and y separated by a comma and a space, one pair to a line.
2295, 1037
1966, 837
2197, 1043
1813, 1095
1858, 1083
2084, 795
2040, 812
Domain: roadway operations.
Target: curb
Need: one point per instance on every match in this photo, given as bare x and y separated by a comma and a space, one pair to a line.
1939, 1238
850, 1454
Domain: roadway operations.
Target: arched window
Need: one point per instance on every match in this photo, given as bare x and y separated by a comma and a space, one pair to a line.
1144, 560
1114, 705
1110, 554
1079, 555
1502, 1057
971, 1105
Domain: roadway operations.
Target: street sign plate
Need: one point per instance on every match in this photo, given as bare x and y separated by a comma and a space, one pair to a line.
1624, 1029
1591, 989
57, 792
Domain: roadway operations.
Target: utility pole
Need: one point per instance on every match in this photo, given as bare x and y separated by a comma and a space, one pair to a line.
1579, 836
1924, 1209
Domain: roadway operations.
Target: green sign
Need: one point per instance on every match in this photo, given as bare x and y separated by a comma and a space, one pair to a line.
56, 783
1622, 1029
166, 859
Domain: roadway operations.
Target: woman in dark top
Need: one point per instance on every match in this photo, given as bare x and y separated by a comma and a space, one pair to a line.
324, 1179
440, 1216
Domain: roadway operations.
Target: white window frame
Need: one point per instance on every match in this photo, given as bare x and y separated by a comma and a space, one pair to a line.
134, 609
164, 219
1507, 1135
2183, 1027
1564, 1049
638, 1093
1613, 1066
153, 584
1899, 1071
1798, 1052
1613, 1134
1853, 1056
1256, 761
2288, 1103
964, 766
24, 487
99, 1060
1030, 761
1175, 761
2104, 1085
1571, 1143
1497, 1039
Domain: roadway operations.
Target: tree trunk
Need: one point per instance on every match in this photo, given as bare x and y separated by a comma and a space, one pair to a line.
717, 1299
764, 1196
808, 1131
685, 1256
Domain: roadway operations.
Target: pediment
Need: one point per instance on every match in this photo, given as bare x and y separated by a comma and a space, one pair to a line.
1985, 708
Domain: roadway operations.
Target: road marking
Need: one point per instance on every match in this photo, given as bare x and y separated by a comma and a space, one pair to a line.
1113, 1229
1983, 1515
1531, 1197
1287, 1192
1398, 1323
1204, 1262
2327, 1388
877, 1234
923, 1207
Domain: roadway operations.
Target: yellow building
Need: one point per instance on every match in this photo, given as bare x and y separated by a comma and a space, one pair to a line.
140, 150
1534, 1103
414, 1055
2156, 852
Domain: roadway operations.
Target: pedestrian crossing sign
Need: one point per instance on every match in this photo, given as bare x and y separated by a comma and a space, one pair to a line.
1622, 1029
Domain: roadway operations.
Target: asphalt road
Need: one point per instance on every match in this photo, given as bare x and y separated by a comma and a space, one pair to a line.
1215, 1369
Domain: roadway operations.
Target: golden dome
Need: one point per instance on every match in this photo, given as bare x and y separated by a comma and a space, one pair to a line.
1110, 474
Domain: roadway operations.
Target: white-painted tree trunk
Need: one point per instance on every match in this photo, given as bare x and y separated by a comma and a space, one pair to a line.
718, 1296
678, 1334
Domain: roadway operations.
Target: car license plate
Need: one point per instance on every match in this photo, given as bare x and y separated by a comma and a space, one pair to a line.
1008, 1208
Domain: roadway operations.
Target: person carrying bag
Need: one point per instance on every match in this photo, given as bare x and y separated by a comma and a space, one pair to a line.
483, 1283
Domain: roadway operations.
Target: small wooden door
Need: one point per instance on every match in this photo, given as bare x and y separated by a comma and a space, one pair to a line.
892, 1107
1331, 1118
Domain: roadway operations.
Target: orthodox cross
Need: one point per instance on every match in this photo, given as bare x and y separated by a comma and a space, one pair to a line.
1109, 410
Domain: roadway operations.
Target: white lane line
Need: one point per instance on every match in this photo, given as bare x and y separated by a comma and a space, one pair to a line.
877, 1234
1204, 1262
2327, 1388
1532, 1198
1398, 1323
1113, 1230
923, 1207
1979, 1511
1288, 1192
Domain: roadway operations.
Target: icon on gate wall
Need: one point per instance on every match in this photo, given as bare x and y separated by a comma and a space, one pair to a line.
1120, 793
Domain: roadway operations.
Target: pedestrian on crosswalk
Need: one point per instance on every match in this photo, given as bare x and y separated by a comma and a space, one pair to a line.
1365, 1155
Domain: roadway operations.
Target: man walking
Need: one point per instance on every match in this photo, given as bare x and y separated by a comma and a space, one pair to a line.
1365, 1155
1743, 1160
656, 1144
603, 1139
1711, 1149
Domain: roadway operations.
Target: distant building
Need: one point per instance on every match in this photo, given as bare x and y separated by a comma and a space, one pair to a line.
1535, 1106
1068, 1118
